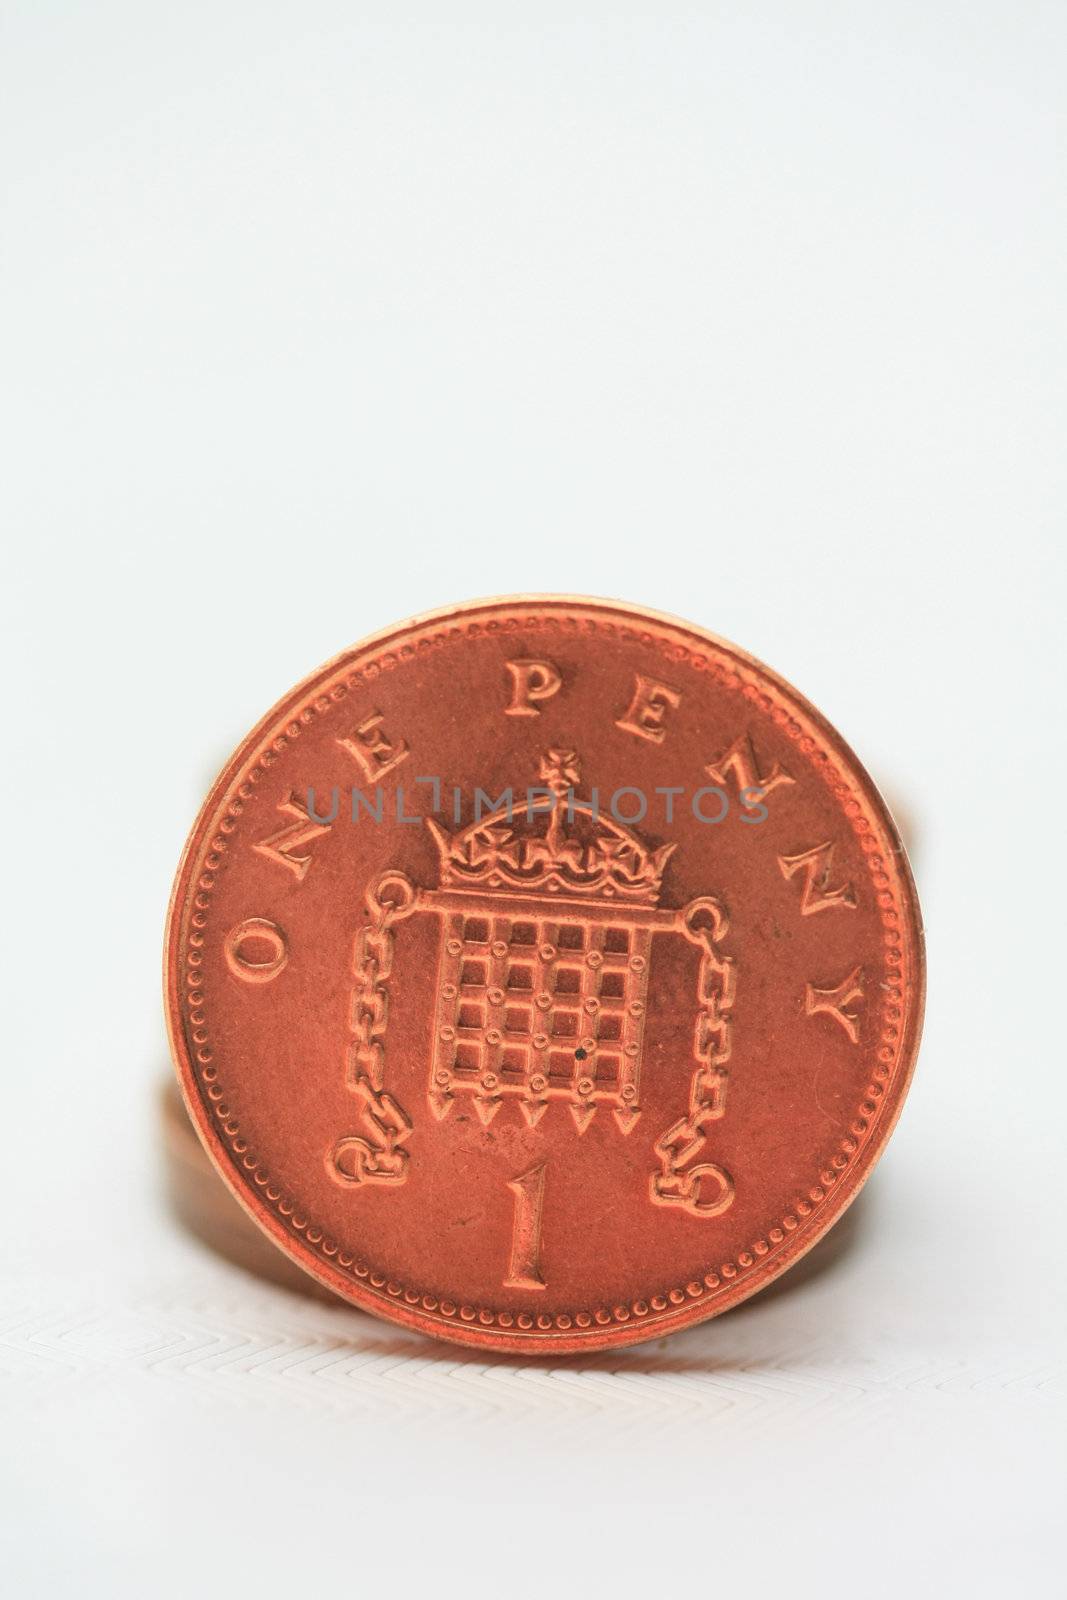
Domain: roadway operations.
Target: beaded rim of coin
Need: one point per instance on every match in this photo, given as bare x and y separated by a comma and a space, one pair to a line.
845, 1161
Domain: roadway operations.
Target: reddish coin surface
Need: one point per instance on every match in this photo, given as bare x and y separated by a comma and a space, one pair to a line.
544, 974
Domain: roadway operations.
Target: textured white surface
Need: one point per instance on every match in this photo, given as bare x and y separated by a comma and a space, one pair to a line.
317, 316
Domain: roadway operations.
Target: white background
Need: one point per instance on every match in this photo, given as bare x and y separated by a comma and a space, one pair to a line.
317, 315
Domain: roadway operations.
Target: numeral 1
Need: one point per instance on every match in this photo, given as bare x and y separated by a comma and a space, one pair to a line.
524, 1271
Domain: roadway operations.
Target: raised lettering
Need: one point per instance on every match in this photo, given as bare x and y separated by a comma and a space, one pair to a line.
255, 931
531, 681
645, 716
524, 1270
741, 763
834, 1001
300, 831
817, 893
372, 748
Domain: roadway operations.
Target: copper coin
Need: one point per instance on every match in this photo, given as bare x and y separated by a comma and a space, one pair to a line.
544, 974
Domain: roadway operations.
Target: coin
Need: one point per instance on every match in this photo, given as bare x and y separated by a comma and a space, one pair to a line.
544, 974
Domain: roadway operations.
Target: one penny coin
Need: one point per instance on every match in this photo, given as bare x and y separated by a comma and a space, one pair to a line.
544, 974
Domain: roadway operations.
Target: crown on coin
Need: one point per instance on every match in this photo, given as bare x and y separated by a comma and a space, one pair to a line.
549, 840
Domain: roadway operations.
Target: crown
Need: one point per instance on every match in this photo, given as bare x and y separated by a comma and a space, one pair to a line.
562, 845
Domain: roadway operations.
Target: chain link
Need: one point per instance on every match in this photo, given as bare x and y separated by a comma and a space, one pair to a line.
379, 1157
704, 1190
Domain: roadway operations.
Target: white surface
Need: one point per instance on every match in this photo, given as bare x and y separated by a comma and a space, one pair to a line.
316, 316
